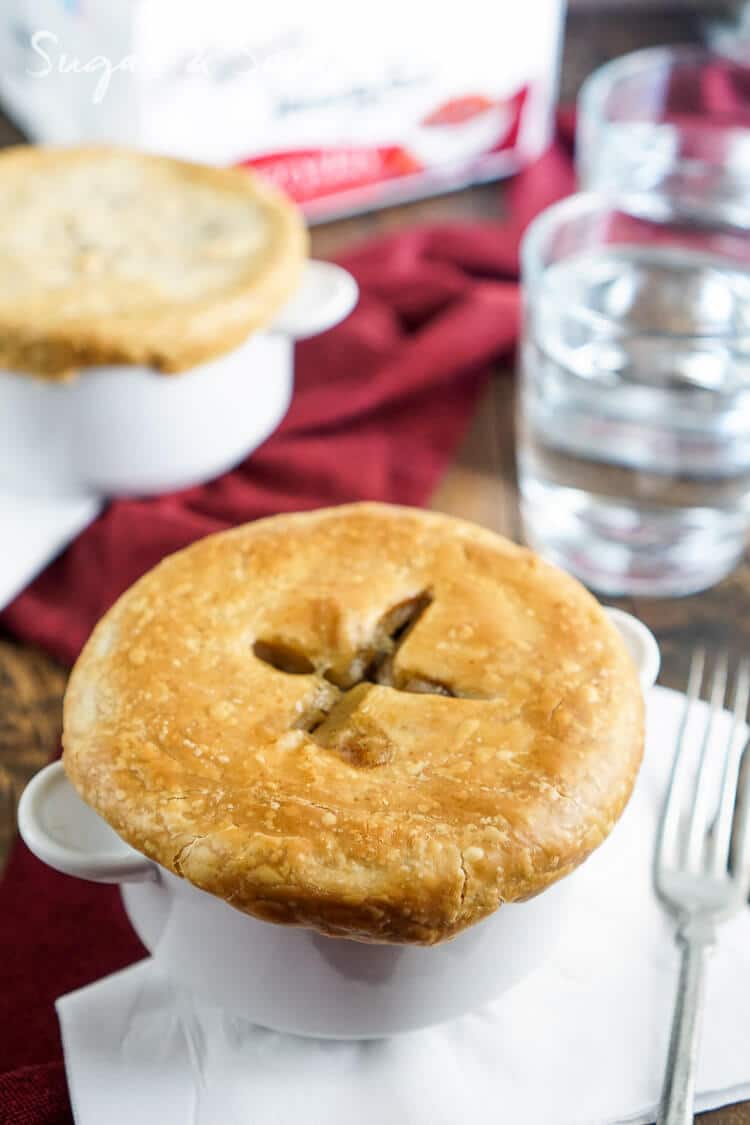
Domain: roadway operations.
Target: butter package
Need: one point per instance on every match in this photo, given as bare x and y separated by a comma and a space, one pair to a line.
345, 108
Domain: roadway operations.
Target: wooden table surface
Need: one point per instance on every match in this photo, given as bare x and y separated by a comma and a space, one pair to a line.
480, 485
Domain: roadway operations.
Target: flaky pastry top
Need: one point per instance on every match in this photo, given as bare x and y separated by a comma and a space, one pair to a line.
111, 256
378, 722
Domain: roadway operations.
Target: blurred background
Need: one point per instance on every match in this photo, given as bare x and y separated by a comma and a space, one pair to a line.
498, 364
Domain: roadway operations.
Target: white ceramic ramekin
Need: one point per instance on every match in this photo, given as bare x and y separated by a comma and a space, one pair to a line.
132, 430
66, 447
288, 978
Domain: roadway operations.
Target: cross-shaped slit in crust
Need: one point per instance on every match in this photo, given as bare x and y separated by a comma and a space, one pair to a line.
374, 664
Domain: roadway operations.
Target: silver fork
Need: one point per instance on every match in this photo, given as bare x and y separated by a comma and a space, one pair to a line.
693, 875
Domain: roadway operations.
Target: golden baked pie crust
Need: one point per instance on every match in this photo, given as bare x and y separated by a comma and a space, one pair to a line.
386, 811
110, 256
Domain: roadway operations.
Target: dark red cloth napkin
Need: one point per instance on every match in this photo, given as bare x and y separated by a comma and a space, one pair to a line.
381, 402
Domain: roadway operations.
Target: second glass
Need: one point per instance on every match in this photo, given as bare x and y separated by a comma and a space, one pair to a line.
634, 427
668, 129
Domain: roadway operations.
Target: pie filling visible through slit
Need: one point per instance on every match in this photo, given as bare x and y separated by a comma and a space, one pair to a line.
374, 664
377, 722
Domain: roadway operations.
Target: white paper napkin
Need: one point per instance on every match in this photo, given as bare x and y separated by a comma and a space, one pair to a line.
34, 530
581, 1042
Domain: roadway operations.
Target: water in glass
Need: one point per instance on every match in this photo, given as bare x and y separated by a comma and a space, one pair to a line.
634, 427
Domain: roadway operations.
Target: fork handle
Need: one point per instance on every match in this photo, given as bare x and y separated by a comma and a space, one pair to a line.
678, 1091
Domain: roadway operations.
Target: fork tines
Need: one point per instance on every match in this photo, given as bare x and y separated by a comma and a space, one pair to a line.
696, 832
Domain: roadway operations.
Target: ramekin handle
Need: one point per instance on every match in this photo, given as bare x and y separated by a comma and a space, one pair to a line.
326, 294
62, 831
641, 644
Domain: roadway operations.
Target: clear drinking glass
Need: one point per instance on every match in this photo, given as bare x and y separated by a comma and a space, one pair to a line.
634, 419
668, 129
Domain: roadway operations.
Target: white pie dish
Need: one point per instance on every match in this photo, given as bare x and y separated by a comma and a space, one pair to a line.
65, 447
293, 979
